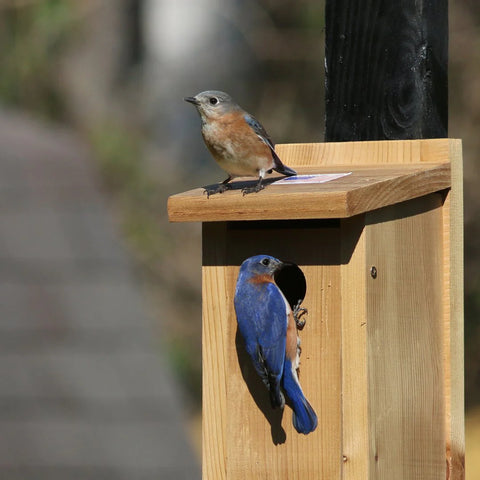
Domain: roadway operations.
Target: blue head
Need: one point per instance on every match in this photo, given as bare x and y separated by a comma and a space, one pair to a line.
212, 104
260, 265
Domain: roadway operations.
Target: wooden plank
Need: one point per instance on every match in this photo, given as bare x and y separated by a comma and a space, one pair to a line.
405, 341
386, 69
453, 319
365, 153
253, 440
366, 188
355, 446
374, 155
215, 308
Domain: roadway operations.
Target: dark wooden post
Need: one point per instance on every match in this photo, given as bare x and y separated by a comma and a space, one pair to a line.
386, 69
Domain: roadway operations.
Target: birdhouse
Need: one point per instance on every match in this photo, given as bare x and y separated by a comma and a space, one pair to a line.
376, 228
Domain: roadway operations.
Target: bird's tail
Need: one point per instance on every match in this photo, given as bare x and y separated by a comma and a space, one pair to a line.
304, 417
280, 167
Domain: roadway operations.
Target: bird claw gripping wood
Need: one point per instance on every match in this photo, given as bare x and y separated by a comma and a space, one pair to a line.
298, 313
255, 189
220, 188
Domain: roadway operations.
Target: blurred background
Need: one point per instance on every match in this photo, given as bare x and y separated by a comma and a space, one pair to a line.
100, 314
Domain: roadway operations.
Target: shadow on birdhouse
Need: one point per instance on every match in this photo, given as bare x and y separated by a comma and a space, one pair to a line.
259, 392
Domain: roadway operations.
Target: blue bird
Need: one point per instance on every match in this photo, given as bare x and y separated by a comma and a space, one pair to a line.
267, 325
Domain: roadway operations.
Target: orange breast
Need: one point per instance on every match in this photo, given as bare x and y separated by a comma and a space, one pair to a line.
257, 279
231, 135
291, 345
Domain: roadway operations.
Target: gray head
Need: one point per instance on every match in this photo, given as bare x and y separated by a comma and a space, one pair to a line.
213, 103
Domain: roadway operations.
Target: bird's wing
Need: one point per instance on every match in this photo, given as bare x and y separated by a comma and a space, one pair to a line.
262, 321
257, 127
272, 316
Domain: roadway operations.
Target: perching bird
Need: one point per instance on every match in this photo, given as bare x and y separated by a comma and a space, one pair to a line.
236, 140
266, 323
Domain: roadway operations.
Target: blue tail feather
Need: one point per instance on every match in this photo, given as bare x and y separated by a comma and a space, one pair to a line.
304, 418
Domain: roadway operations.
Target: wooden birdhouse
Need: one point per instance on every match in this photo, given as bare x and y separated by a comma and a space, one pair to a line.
382, 350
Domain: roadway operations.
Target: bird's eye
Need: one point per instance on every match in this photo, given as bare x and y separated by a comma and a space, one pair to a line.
266, 262
213, 100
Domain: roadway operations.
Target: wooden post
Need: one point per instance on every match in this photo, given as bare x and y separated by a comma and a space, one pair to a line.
386, 69
382, 353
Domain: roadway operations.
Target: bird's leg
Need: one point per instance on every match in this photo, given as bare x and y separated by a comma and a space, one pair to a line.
298, 313
220, 188
256, 188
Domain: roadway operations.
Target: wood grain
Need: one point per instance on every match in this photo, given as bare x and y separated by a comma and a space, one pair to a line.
245, 437
453, 319
405, 341
364, 189
215, 308
365, 153
386, 69
355, 423
383, 173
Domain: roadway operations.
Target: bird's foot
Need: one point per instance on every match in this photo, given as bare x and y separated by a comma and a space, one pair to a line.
298, 313
255, 189
220, 188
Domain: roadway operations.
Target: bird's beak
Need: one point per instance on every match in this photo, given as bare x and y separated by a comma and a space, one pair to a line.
279, 266
192, 100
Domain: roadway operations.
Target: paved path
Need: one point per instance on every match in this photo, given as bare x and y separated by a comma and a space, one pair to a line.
83, 391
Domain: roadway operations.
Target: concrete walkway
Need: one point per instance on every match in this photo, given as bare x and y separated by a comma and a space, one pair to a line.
84, 393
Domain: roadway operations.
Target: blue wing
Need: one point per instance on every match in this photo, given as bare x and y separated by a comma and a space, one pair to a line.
262, 321
273, 336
